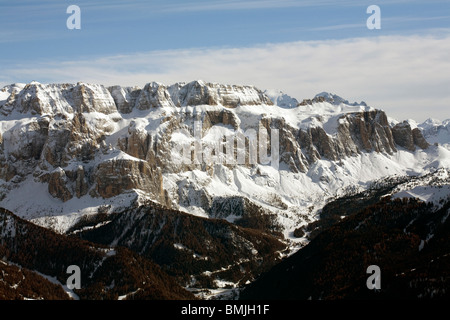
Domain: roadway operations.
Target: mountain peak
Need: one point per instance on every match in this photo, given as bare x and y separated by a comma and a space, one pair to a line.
336, 100
281, 99
430, 122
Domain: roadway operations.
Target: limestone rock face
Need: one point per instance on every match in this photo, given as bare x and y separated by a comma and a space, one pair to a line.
403, 136
201, 93
136, 143
124, 98
355, 133
57, 185
114, 177
92, 98
59, 99
154, 95
409, 138
366, 131
81, 183
419, 139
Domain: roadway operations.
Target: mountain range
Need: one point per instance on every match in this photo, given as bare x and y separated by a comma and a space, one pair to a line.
209, 185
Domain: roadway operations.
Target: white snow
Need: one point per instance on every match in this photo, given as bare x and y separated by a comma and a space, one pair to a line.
316, 115
179, 246
431, 194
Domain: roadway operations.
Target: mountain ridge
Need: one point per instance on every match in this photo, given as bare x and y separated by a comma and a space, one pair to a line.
245, 168
113, 146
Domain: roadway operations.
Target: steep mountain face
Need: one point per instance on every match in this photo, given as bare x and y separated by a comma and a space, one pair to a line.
32, 252
400, 225
82, 149
407, 137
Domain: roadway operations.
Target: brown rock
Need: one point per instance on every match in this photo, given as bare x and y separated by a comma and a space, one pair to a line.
290, 151
136, 143
116, 176
124, 98
323, 143
81, 184
200, 93
402, 134
153, 95
92, 98
419, 139
57, 185
367, 131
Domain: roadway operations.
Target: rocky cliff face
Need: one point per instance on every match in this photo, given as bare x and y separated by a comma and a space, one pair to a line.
409, 138
87, 140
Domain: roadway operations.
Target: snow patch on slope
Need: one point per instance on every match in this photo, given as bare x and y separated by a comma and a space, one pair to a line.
431, 194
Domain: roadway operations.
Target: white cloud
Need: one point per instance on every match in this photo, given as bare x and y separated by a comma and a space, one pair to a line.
408, 76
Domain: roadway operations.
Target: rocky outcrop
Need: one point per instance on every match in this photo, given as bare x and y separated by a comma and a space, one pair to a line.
81, 182
137, 143
330, 98
408, 138
356, 132
403, 136
91, 98
281, 99
201, 93
63, 99
59, 99
57, 185
154, 95
367, 131
116, 176
419, 139
124, 98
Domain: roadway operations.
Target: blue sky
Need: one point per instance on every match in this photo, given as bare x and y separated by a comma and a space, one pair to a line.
300, 47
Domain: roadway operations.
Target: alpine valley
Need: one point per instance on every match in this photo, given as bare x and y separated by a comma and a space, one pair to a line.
91, 176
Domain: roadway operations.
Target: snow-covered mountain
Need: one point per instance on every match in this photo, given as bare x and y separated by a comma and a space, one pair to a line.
281, 99
122, 166
67, 150
436, 131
